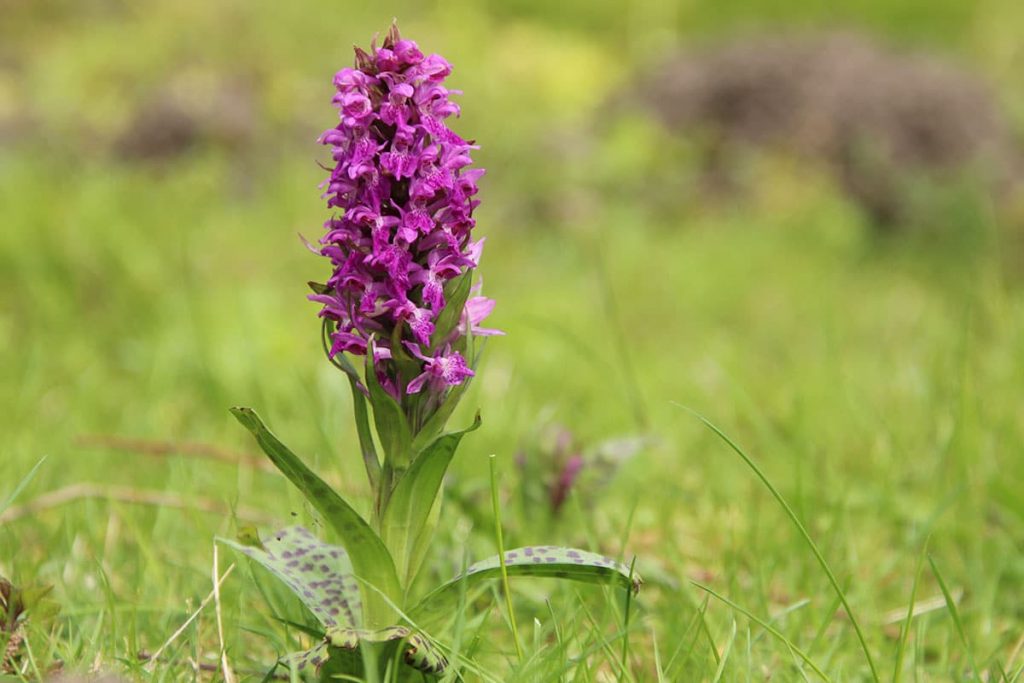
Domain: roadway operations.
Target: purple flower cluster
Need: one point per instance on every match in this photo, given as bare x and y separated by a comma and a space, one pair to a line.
404, 199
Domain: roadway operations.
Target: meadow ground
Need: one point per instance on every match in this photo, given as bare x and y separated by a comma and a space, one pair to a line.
875, 382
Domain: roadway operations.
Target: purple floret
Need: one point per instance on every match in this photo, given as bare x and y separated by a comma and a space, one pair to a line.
403, 194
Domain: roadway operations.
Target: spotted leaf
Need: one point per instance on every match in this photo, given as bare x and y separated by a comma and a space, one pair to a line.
541, 561
340, 648
307, 660
319, 574
417, 651
370, 558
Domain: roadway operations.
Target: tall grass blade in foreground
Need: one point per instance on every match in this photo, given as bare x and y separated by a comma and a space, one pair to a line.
21, 485
725, 653
499, 537
803, 532
957, 623
897, 673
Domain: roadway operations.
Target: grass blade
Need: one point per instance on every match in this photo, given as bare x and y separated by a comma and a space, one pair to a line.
897, 673
21, 485
725, 654
502, 564
625, 618
957, 623
803, 532
767, 627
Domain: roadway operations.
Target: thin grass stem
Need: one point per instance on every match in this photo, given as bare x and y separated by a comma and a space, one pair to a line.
725, 654
625, 618
766, 626
957, 623
501, 556
897, 673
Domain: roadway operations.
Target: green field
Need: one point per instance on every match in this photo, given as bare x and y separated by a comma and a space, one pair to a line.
878, 383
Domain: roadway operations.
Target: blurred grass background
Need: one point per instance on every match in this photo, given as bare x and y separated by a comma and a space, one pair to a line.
876, 380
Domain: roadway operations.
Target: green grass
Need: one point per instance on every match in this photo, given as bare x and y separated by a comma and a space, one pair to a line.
875, 384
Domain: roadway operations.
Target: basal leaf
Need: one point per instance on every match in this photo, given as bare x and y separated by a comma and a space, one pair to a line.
369, 556
417, 651
337, 653
409, 506
319, 574
541, 561
307, 660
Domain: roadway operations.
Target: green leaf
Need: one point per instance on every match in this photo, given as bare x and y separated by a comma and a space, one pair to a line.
456, 291
312, 631
435, 425
541, 561
408, 509
417, 651
369, 451
307, 660
392, 427
321, 575
421, 545
370, 558
366, 446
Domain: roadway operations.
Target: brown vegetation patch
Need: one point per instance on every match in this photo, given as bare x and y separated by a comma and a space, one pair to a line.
875, 116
